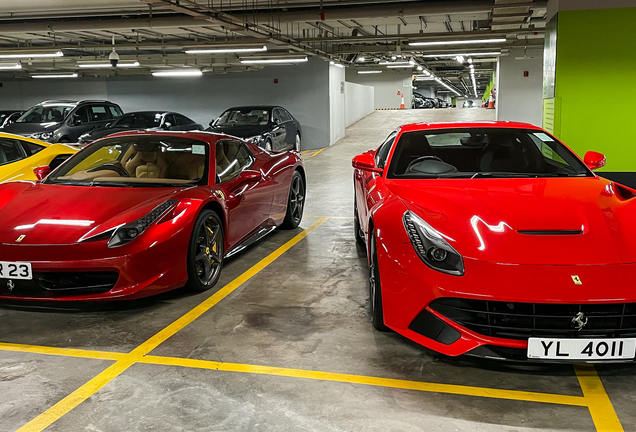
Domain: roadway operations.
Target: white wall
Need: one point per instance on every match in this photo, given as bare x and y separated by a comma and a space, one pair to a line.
336, 103
303, 89
386, 86
520, 98
358, 102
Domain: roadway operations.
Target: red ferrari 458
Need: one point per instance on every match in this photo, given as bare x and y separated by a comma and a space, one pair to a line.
138, 214
495, 240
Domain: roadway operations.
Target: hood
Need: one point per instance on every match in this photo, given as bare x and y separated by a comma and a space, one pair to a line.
57, 214
555, 221
26, 129
240, 131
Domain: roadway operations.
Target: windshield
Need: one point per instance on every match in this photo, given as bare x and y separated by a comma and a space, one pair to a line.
46, 113
482, 152
143, 161
243, 117
144, 120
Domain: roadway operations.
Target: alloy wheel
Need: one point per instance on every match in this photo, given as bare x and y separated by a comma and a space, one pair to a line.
297, 198
209, 251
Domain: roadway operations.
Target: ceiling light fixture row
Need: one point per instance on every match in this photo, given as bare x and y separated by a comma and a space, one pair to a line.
447, 86
279, 60
225, 50
108, 65
32, 55
458, 42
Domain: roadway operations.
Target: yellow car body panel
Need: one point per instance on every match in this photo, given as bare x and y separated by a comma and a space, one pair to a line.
22, 170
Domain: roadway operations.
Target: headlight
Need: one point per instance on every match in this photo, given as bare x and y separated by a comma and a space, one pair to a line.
431, 247
258, 139
127, 233
42, 136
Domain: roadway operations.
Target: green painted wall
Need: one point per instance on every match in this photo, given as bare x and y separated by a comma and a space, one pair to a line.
596, 84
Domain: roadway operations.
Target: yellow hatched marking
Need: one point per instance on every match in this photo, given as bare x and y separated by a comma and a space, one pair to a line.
91, 387
598, 401
66, 352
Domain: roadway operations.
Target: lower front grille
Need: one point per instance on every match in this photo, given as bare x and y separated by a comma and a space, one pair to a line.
513, 320
60, 284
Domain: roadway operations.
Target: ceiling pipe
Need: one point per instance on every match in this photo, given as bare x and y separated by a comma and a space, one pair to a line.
330, 14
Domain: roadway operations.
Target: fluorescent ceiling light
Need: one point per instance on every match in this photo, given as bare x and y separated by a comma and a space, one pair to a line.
274, 60
457, 42
463, 54
409, 63
178, 73
108, 65
369, 72
69, 75
447, 86
336, 64
5, 66
400, 66
225, 50
360, 59
32, 55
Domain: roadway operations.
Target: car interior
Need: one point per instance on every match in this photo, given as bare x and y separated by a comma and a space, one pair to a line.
423, 152
147, 162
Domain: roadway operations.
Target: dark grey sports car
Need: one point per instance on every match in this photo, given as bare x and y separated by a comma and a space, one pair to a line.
269, 127
154, 120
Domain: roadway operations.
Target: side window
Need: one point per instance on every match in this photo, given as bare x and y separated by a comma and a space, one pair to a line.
98, 113
284, 115
383, 151
31, 148
182, 120
170, 119
277, 116
232, 157
10, 151
81, 114
115, 111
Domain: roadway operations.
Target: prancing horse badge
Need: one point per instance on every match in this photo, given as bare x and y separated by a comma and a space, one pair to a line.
576, 280
19, 239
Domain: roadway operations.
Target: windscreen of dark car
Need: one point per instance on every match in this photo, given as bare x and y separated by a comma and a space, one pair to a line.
46, 113
143, 161
142, 120
482, 152
243, 117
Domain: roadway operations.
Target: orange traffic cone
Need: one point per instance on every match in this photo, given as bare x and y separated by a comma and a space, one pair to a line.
402, 103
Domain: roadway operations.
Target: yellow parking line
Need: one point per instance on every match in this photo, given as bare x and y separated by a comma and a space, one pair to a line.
322, 149
368, 380
66, 352
64, 406
61, 408
199, 310
601, 408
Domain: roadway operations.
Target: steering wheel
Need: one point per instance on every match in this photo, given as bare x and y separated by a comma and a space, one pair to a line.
111, 166
420, 159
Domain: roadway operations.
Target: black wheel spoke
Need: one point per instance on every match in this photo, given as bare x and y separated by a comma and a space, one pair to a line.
200, 257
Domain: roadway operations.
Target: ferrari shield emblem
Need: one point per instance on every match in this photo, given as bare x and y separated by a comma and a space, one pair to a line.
576, 280
19, 239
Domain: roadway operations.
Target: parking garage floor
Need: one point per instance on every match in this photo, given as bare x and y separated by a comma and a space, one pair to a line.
285, 343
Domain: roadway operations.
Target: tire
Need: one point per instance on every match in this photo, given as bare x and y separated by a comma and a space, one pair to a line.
375, 288
295, 202
357, 231
206, 246
297, 143
268, 144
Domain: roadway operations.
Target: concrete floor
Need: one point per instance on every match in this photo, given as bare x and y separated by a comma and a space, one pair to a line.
303, 314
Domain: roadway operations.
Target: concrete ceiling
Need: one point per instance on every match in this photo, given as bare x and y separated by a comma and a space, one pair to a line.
156, 33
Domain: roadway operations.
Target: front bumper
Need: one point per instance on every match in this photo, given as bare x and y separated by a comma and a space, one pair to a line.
409, 289
86, 271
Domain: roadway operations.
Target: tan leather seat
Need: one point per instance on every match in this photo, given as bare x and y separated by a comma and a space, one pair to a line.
185, 166
147, 165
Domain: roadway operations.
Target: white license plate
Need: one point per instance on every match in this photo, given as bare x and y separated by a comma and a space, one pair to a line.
15, 270
581, 349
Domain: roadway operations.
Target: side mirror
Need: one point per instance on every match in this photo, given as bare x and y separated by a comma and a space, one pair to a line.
107, 125
77, 122
594, 160
276, 121
42, 172
366, 162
